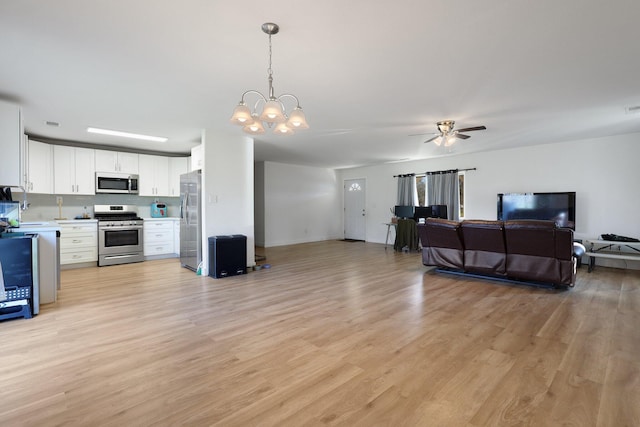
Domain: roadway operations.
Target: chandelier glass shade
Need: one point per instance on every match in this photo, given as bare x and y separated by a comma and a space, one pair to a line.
273, 111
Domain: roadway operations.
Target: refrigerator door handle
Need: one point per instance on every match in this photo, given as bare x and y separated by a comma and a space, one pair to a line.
186, 207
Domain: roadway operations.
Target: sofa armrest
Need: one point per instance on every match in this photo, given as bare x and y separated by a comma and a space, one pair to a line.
564, 243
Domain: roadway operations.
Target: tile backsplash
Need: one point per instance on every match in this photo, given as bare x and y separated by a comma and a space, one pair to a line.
43, 207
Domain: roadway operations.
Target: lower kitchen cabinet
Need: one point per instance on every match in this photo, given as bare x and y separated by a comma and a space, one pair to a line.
159, 238
78, 241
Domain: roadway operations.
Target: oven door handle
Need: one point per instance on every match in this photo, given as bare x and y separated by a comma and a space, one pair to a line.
121, 227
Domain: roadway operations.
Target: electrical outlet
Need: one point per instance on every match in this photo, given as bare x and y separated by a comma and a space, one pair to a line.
58, 200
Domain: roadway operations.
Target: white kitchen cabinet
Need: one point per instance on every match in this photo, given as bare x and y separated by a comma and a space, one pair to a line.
78, 241
158, 237
154, 175
197, 157
73, 170
115, 161
177, 166
40, 168
11, 145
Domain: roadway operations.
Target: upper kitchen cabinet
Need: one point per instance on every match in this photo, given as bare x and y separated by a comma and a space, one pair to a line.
11, 145
197, 157
153, 174
40, 169
74, 170
115, 161
177, 166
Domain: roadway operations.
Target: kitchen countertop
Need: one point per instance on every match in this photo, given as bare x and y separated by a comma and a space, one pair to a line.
35, 226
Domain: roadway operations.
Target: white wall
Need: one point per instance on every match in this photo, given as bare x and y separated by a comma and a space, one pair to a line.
301, 204
603, 172
258, 200
227, 181
10, 144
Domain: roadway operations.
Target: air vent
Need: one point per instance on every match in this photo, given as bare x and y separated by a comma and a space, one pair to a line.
633, 110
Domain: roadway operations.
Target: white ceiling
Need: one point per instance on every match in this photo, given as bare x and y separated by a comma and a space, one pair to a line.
367, 74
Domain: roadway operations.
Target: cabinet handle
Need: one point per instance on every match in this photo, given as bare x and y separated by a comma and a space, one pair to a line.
76, 241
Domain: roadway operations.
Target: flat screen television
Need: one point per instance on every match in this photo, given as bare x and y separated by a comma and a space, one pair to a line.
560, 207
404, 211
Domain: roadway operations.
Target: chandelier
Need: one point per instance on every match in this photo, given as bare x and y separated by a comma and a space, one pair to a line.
273, 110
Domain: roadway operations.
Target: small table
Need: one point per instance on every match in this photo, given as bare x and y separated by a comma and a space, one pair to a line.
607, 249
389, 225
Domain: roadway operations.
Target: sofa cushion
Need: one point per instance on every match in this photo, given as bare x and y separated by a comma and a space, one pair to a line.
442, 244
484, 247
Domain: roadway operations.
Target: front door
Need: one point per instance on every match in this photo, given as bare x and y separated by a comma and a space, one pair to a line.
354, 209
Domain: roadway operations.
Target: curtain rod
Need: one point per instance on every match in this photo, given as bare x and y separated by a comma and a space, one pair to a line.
436, 172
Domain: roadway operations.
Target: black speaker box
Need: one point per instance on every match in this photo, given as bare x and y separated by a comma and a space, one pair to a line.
227, 255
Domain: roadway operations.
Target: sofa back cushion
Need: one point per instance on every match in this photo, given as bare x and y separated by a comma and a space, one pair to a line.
484, 247
530, 237
531, 250
442, 243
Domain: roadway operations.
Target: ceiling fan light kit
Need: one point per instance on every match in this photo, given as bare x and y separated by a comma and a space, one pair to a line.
448, 136
273, 109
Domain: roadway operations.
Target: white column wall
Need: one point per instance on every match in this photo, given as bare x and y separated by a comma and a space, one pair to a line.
227, 181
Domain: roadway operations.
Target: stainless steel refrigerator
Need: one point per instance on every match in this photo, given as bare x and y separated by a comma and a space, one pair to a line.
190, 220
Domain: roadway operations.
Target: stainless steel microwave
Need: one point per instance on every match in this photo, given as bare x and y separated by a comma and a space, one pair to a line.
116, 183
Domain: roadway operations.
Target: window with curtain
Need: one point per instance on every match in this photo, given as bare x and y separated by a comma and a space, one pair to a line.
423, 192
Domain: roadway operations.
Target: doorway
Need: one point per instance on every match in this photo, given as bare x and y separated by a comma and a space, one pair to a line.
354, 209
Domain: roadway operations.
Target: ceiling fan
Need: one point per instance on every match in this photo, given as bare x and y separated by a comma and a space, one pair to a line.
448, 135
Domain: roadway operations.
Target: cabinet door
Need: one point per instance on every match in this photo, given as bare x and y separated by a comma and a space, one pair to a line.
128, 163
162, 176
153, 172
40, 170
146, 171
177, 166
85, 171
106, 161
64, 170
197, 157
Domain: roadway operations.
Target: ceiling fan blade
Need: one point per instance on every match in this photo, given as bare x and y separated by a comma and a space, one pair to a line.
461, 136
426, 133
471, 129
429, 140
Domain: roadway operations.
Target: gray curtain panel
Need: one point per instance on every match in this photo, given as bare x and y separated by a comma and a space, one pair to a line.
442, 189
407, 191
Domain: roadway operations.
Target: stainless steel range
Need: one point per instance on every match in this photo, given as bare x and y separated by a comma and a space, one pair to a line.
119, 234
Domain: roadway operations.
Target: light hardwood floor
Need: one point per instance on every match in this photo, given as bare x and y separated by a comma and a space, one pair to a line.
335, 333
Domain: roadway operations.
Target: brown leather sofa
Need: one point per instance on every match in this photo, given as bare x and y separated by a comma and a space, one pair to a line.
521, 250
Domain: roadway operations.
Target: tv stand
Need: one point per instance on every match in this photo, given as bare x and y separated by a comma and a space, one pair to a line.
611, 249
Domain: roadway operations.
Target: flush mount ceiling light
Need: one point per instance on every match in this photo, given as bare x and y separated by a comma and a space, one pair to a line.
273, 111
127, 134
